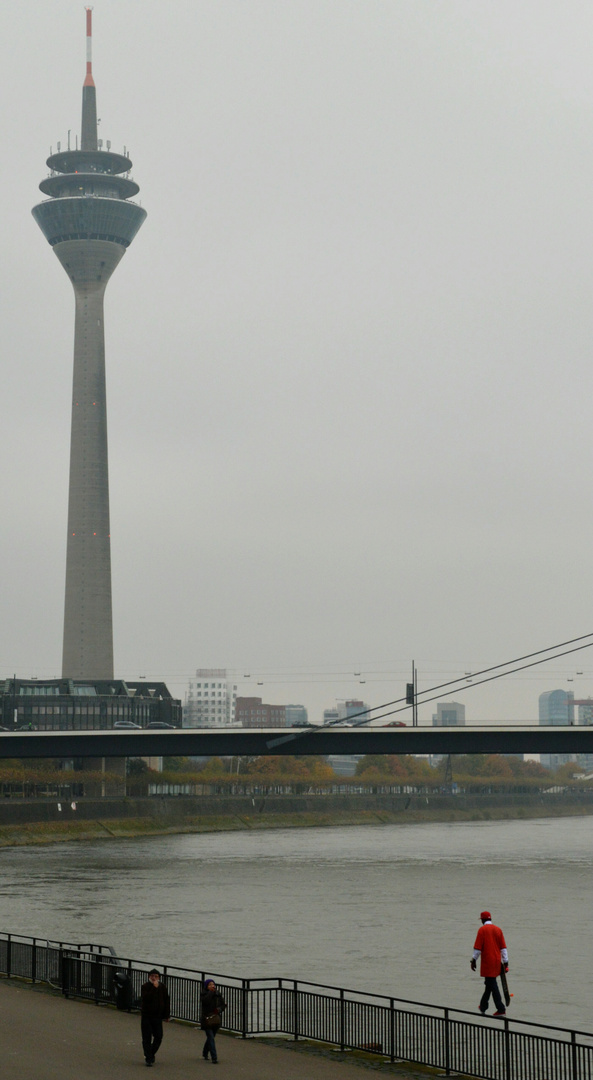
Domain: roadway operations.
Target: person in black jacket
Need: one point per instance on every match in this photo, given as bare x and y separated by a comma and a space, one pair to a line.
154, 1008
212, 1006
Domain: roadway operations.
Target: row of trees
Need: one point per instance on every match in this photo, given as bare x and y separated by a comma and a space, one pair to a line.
374, 770
459, 767
471, 771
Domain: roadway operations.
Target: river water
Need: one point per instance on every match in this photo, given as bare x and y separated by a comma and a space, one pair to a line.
392, 909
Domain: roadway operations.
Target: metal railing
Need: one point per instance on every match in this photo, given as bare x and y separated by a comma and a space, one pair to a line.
394, 1028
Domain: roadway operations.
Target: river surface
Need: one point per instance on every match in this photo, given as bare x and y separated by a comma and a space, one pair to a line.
392, 909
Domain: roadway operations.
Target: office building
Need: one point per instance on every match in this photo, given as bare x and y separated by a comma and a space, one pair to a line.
252, 712
556, 707
449, 714
296, 716
345, 711
69, 704
210, 700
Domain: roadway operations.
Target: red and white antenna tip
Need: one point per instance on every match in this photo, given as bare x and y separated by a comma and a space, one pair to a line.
89, 81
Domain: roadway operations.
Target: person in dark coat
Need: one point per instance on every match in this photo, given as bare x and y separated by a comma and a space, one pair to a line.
212, 1005
154, 1008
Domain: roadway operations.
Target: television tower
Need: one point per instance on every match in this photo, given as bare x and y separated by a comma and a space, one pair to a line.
89, 223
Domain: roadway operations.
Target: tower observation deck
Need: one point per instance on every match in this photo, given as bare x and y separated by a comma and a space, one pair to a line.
89, 223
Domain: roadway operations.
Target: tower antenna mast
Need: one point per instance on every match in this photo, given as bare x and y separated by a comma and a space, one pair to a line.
89, 81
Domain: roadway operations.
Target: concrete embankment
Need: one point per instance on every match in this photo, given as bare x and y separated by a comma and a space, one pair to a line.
40, 821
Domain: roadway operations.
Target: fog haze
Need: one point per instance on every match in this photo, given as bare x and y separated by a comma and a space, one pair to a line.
348, 354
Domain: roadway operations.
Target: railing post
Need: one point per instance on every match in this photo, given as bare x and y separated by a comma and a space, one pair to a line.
342, 1040
295, 1010
8, 954
392, 1029
60, 961
96, 977
63, 970
507, 1049
573, 1054
244, 993
34, 961
447, 1045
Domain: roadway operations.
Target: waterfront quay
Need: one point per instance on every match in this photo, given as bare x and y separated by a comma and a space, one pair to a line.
393, 1031
45, 1037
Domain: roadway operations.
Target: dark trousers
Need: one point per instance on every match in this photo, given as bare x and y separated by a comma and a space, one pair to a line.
491, 988
152, 1035
210, 1044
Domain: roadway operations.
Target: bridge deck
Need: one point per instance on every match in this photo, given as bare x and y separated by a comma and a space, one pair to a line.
228, 742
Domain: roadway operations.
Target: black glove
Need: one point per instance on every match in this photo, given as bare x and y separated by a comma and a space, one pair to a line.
473, 963
506, 968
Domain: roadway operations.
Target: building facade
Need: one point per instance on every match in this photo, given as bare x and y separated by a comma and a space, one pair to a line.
252, 712
210, 700
296, 716
449, 714
556, 707
345, 764
68, 704
352, 709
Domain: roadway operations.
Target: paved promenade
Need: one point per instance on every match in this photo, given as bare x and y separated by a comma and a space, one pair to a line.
46, 1037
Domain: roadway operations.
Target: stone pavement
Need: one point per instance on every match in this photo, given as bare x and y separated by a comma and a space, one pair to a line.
43, 1036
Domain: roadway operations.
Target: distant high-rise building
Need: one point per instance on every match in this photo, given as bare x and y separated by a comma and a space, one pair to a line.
556, 707
345, 764
296, 716
585, 711
585, 716
89, 223
346, 710
449, 714
210, 700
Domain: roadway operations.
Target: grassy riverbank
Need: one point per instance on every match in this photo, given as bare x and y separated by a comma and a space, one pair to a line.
179, 818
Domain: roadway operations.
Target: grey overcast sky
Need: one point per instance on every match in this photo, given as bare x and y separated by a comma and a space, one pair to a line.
348, 354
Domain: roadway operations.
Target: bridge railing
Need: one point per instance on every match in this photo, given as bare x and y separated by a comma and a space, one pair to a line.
394, 1028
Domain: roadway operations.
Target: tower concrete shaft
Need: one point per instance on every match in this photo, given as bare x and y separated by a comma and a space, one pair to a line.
88, 631
89, 224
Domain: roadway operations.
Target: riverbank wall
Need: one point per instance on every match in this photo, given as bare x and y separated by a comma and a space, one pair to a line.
40, 821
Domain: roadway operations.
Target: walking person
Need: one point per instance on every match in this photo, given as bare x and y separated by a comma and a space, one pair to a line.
212, 1005
154, 1008
491, 948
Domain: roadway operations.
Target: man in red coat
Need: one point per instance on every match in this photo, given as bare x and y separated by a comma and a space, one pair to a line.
491, 947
